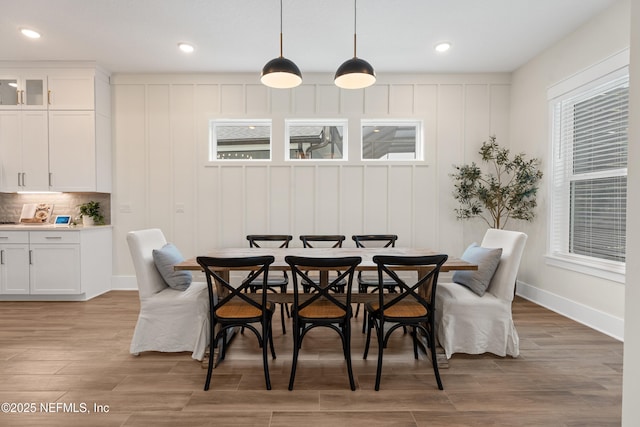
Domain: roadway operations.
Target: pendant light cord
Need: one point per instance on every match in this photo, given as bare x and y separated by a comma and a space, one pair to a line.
355, 28
281, 56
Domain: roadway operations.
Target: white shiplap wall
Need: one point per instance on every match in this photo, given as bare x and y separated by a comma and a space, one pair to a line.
162, 178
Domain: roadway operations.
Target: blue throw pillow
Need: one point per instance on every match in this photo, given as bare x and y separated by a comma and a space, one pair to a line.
487, 260
165, 258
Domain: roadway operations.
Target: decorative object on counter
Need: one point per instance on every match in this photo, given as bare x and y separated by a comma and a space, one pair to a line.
90, 212
507, 192
35, 213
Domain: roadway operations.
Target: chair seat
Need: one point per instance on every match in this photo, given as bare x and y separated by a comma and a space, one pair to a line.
371, 280
240, 310
322, 310
401, 310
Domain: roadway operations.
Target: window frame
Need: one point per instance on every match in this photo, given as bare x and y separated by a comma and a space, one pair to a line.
559, 207
419, 143
213, 140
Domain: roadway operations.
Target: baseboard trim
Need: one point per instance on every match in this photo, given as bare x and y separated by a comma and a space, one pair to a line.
124, 283
595, 319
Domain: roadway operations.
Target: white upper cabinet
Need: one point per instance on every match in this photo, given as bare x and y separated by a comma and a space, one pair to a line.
26, 91
71, 91
24, 151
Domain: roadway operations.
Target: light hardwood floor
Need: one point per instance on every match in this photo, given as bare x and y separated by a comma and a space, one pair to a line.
76, 353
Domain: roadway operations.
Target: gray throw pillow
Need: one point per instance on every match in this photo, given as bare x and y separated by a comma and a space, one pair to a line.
487, 260
165, 258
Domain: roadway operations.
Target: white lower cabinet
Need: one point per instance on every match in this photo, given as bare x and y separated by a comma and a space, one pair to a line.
53, 263
14, 263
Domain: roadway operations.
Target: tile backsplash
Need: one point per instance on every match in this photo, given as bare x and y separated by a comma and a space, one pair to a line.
63, 204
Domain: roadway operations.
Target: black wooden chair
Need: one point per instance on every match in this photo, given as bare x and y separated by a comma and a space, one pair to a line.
320, 306
278, 282
326, 241
413, 306
236, 308
368, 282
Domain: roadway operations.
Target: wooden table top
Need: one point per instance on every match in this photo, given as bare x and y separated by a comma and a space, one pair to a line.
367, 255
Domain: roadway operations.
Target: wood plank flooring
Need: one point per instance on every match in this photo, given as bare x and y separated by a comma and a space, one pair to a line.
77, 353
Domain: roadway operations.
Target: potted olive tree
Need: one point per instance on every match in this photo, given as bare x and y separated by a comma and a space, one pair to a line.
91, 214
507, 191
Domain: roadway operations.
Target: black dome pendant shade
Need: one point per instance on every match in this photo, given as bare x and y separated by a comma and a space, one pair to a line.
280, 72
355, 73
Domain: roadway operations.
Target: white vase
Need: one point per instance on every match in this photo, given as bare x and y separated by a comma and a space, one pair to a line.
88, 221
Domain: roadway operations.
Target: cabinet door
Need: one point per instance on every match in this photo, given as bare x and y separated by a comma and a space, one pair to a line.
24, 151
14, 269
10, 151
35, 151
71, 92
72, 150
26, 92
55, 269
9, 92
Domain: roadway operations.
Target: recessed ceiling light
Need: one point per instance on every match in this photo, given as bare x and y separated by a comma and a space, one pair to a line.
186, 47
442, 47
30, 33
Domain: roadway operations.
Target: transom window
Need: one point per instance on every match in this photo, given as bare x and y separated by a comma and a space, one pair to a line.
240, 140
391, 140
316, 139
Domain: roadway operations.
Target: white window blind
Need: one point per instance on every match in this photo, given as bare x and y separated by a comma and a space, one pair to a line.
589, 196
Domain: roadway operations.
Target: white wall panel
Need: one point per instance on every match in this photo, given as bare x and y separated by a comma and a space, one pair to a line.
280, 200
451, 121
160, 155
376, 100
352, 200
256, 212
376, 199
182, 191
351, 101
500, 107
328, 99
401, 203
304, 209
232, 100
327, 202
257, 100
232, 207
163, 177
305, 100
401, 100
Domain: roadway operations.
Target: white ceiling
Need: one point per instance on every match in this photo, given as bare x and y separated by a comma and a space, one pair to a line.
132, 36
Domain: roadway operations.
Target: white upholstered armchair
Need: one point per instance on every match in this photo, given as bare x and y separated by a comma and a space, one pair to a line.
469, 323
170, 320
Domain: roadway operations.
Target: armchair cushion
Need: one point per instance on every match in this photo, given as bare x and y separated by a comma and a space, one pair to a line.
164, 259
487, 260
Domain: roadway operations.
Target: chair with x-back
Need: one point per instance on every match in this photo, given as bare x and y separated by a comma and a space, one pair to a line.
235, 307
412, 306
320, 306
278, 281
368, 282
324, 241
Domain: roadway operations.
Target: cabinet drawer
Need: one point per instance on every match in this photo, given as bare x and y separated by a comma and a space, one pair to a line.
14, 237
55, 237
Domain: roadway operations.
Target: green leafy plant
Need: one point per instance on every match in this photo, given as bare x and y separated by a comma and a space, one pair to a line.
508, 191
92, 209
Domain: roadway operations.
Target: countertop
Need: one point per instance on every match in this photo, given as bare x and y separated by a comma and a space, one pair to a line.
47, 227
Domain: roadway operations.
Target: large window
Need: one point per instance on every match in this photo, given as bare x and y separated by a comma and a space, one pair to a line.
240, 140
391, 140
589, 196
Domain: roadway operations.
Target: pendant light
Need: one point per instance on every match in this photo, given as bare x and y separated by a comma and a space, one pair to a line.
280, 72
355, 73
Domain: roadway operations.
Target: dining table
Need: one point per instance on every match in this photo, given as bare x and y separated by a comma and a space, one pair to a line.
367, 264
